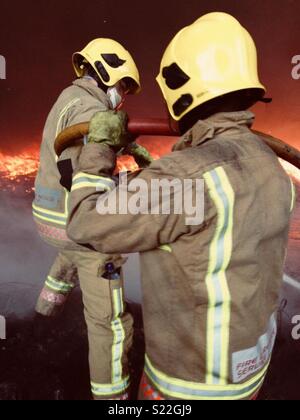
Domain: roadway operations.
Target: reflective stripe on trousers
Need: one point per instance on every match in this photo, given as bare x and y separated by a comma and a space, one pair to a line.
118, 384
58, 285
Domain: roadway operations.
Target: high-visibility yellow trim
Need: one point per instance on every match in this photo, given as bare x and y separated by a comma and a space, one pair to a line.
119, 336
57, 289
48, 219
208, 387
61, 116
91, 185
58, 285
218, 318
83, 180
54, 213
293, 195
110, 389
95, 177
63, 113
106, 385
49, 212
52, 216
166, 248
118, 384
171, 386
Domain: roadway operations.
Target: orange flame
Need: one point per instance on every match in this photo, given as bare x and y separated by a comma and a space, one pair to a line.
17, 168
126, 163
11, 167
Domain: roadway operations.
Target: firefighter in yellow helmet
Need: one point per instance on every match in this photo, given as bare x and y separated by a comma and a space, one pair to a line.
210, 65
210, 285
106, 74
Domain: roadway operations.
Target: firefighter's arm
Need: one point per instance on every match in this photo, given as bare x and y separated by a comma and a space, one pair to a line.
94, 192
82, 111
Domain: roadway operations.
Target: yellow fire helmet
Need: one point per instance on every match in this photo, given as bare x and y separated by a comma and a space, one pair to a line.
111, 61
210, 58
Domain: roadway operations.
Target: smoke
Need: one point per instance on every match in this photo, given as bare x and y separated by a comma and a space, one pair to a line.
39, 355
24, 258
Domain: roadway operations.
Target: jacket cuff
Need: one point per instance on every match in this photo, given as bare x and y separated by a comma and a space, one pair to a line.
97, 159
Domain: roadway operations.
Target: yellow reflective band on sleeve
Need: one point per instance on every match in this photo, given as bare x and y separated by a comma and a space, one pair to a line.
166, 248
104, 390
60, 118
99, 186
50, 216
185, 390
91, 177
218, 317
119, 336
83, 180
293, 195
58, 285
64, 112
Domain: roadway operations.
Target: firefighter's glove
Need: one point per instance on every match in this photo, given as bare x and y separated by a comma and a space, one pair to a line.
140, 154
110, 128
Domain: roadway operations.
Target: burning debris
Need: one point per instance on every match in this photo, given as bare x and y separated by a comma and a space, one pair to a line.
25, 164
17, 172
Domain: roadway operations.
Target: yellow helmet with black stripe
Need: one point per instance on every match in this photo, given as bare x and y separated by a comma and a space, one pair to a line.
210, 58
111, 62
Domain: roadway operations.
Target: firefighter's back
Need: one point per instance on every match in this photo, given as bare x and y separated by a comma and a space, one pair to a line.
215, 292
76, 104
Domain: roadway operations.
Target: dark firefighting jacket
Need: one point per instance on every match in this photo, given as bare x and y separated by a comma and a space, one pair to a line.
210, 291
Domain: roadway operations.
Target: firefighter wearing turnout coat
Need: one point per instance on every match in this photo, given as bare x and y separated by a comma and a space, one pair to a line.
106, 73
210, 291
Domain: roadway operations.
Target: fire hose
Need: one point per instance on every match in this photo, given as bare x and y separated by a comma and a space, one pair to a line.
161, 127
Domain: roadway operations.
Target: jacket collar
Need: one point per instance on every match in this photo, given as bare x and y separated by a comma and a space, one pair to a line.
224, 124
93, 90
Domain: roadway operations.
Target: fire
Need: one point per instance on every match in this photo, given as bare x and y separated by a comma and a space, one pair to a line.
25, 164
126, 163
17, 171
156, 146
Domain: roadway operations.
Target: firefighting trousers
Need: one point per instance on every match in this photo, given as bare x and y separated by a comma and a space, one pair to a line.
110, 327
